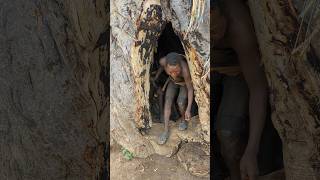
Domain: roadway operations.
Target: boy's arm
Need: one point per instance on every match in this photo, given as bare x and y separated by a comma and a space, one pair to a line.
188, 81
159, 71
162, 62
153, 79
244, 42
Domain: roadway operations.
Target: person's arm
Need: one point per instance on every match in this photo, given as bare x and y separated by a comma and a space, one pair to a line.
159, 71
188, 81
243, 40
162, 63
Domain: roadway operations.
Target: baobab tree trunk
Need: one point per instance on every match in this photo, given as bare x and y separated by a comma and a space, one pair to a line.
53, 92
290, 53
136, 27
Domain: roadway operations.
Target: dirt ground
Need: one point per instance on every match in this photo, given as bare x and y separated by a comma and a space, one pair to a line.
155, 167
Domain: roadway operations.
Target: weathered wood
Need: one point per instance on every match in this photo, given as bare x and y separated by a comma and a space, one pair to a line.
293, 77
136, 27
53, 92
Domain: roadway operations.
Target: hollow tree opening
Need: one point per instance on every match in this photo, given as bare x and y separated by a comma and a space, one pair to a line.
167, 42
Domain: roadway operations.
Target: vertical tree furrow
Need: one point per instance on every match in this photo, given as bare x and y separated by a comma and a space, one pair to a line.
47, 70
292, 83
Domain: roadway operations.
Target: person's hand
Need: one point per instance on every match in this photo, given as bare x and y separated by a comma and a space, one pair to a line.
249, 166
187, 115
153, 81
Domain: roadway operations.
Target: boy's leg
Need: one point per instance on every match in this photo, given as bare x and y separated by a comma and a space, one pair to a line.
169, 97
220, 171
232, 123
161, 93
182, 104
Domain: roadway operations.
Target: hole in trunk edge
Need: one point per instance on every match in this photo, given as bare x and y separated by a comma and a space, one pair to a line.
167, 42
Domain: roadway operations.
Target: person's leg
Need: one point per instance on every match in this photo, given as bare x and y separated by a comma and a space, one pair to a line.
232, 148
160, 96
220, 171
182, 101
232, 123
169, 97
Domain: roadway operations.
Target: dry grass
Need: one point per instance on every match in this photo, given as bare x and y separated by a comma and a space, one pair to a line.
308, 17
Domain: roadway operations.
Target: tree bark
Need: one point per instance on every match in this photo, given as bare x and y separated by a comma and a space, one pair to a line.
136, 27
291, 60
53, 93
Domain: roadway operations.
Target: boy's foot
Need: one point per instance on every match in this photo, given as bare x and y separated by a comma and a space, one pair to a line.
163, 138
183, 125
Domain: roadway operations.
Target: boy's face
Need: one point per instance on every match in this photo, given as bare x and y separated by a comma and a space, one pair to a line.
174, 70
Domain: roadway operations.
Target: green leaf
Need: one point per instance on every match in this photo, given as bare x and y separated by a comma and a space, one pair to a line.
127, 154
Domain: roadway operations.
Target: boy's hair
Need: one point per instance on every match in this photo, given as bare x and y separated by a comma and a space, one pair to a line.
173, 58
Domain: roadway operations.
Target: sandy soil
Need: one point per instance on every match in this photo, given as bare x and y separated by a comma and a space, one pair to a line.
155, 167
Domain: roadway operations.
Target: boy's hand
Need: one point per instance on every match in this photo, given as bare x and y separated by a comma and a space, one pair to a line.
249, 166
187, 115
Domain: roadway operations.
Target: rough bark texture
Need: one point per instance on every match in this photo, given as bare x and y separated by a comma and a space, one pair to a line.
53, 92
136, 26
293, 75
